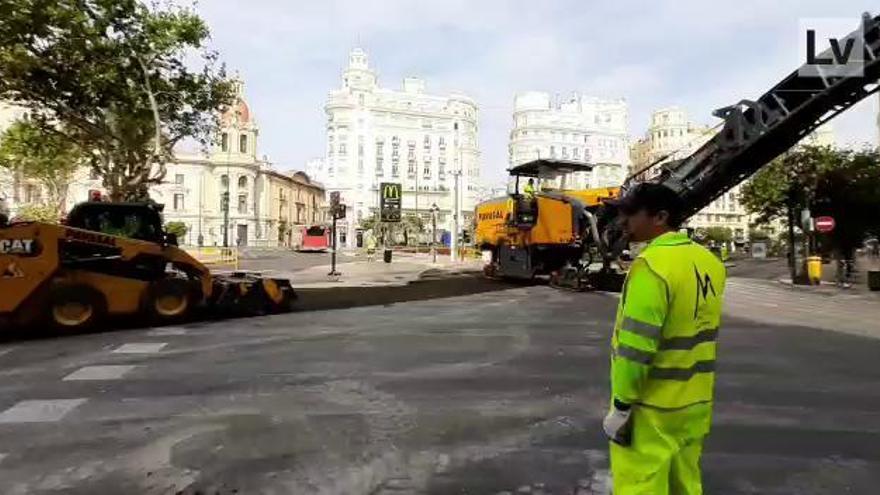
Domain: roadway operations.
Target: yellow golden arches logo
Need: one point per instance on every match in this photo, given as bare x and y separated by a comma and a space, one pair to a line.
391, 191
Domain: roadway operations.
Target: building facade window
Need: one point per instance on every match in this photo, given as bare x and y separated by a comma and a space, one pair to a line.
224, 142
360, 154
178, 179
411, 159
178, 202
395, 156
242, 182
32, 193
224, 181
242, 203
380, 157
242, 143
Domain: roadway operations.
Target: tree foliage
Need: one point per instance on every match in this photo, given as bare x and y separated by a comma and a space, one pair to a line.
719, 235
38, 213
116, 78
844, 184
46, 157
177, 228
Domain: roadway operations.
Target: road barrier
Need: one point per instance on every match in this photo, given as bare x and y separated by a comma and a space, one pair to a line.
216, 256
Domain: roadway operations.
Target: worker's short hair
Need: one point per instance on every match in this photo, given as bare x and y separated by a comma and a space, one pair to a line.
653, 198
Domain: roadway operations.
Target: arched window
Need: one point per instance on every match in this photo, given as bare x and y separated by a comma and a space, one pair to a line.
224, 181
224, 142
242, 182
242, 143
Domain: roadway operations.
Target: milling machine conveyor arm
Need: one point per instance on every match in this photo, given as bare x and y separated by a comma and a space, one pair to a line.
756, 132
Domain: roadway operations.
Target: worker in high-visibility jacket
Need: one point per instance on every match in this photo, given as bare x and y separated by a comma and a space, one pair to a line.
663, 351
529, 189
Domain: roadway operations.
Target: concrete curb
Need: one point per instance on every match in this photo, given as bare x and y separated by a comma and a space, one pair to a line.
830, 289
390, 279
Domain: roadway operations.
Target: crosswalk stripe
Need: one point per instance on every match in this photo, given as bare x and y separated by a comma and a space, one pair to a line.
167, 331
99, 373
140, 348
40, 411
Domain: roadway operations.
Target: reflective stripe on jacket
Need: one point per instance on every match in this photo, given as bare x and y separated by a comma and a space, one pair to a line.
663, 346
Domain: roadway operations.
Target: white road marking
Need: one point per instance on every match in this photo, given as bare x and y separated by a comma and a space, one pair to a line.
2, 456
164, 332
140, 348
99, 373
39, 411
6, 350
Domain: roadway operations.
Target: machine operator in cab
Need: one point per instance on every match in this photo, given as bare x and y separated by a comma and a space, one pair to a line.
663, 351
529, 190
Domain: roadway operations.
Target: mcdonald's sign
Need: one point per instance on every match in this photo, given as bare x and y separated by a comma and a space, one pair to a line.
390, 194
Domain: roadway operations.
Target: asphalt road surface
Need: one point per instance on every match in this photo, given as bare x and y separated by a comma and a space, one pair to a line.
764, 269
494, 391
290, 261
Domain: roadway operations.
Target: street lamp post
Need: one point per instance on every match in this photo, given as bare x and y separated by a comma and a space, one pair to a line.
434, 210
456, 173
226, 218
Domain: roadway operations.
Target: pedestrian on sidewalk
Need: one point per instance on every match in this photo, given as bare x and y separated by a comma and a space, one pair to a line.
663, 351
371, 246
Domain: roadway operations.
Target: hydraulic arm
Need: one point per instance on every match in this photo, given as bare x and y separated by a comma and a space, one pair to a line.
756, 132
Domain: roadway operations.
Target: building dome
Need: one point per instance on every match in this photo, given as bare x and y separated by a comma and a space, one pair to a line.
239, 113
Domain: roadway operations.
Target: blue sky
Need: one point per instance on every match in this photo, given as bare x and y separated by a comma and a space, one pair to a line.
700, 55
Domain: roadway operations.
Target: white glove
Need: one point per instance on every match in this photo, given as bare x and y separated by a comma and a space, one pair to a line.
617, 425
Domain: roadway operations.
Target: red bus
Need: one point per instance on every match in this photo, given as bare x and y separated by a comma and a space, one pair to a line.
314, 238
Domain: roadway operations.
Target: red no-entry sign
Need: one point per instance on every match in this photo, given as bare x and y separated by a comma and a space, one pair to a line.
824, 224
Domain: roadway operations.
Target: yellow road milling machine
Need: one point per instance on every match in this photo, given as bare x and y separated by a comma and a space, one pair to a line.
577, 236
538, 229
111, 259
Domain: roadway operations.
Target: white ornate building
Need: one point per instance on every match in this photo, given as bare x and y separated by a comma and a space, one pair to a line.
376, 135
582, 129
672, 136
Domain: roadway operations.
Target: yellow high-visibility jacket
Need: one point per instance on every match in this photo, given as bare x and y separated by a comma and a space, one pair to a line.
663, 346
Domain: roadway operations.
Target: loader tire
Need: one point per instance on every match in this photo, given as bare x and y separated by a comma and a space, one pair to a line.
169, 300
75, 307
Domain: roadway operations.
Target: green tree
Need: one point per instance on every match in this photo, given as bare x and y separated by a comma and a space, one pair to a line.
46, 157
851, 195
369, 223
122, 80
719, 235
790, 182
411, 226
757, 234
177, 228
844, 184
38, 213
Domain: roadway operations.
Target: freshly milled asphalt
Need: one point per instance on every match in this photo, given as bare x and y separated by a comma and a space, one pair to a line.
493, 391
